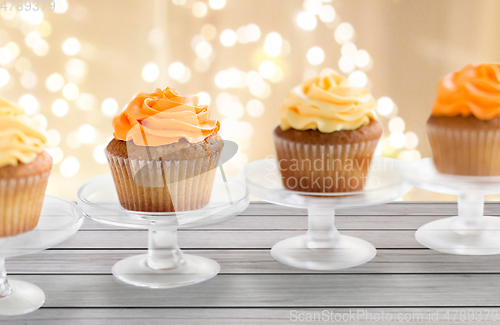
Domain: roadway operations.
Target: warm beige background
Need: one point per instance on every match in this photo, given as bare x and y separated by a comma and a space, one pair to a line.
413, 43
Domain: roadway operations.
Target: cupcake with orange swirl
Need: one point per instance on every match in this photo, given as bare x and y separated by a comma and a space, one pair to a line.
327, 135
164, 153
464, 128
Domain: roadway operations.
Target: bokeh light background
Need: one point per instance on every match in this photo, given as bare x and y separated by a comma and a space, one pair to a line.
75, 68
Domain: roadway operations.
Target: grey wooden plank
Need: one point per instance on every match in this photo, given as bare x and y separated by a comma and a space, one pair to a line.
228, 239
298, 222
189, 316
255, 262
292, 291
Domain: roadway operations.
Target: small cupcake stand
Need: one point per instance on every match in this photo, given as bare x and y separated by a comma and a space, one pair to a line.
322, 247
59, 220
469, 233
164, 265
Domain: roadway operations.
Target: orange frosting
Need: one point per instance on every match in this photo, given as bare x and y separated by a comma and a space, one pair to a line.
164, 117
474, 90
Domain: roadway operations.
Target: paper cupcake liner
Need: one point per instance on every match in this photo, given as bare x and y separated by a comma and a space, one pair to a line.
163, 186
324, 168
465, 152
21, 201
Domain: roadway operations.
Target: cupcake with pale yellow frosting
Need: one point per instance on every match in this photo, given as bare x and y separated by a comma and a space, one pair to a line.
327, 135
464, 127
164, 153
24, 170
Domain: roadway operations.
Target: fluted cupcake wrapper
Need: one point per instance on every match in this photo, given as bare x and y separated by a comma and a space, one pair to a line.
465, 152
163, 185
21, 201
324, 168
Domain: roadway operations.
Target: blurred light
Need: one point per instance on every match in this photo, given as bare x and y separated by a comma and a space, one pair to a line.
186, 76
56, 153
255, 83
385, 106
13, 48
176, 70
86, 133
4, 77
32, 38
236, 77
349, 49
313, 6
204, 49
358, 79
327, 14
60, 107
28, 80
71, 46
397, 140
203, 98
54, 82
267, 69
41, 47
252, 33
223, 80
315, 55
272, 44
241, 35
346, 64
201, 65
73, 141
208, 31
396, 124
228, 107
411, 140
53, 138
156, 36
61, 6
197, 39
29, 103
244, 130
228, 37
69, 167
9, 15
409, 155
22, 64
70, 91
44, 29
278, 75
99, 155
344, 33
41, 120
150, 72
5, 56
86, 102
217, 4
31, 16
255, 108
199, 9
76, 70
109, 107
179, 2
306, 20
362, 58
286, 48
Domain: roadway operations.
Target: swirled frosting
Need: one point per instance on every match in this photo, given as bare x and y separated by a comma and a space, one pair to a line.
164, 117
21, 140
327, 103
474, 90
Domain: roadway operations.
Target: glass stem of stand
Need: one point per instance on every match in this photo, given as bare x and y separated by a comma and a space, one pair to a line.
5, 288
163, 251
322, 232
471, 208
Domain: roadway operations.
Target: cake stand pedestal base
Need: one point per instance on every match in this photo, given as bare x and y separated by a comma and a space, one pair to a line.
19, 297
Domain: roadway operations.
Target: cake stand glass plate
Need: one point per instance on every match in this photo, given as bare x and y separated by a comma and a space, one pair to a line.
165, 265
323, 247
469, 233
59, 220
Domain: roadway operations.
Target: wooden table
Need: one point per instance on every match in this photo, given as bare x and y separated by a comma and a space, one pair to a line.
403, 280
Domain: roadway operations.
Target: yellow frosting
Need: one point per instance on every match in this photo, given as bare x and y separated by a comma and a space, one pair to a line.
21, 140
327, 103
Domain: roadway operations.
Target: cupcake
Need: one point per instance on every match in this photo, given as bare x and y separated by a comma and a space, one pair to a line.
464, 127
24, 170
164, 153
327, 135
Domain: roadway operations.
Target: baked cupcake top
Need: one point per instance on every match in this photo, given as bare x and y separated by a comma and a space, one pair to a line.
327, 103
164, 117
21, 139
474, 90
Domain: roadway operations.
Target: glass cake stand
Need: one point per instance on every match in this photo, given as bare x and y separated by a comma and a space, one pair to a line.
165, 265
323, 247
59, 220
469, 233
